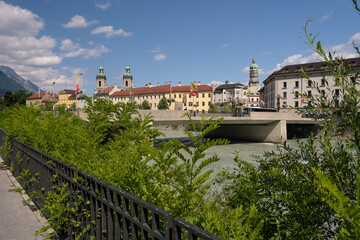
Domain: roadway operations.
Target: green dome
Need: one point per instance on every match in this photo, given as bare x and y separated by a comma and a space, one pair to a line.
253, 66
127, 72
101, 71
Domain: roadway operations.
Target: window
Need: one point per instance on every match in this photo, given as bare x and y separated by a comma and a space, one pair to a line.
284, 95
126, 83
209, 95
174, 95
150, 104
336, 82
353, 80
284, 85
209, 103
309, 94
190, 104
154, 104
203, 111
296, 104
99, 83
323, 82
296, 84
179, 95
203, 103
296, 94
322, 92
203, 95
337, 92
309, 83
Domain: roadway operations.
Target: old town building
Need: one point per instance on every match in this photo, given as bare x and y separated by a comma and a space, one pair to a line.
288, 87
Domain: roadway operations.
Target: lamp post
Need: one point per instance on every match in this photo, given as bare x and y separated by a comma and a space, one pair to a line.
52, 99
130, 100
170, 95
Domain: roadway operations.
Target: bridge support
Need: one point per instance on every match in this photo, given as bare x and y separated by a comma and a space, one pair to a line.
273, 132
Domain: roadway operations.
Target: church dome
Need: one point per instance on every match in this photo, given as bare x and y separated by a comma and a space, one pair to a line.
127, 72
101, 72
253, 66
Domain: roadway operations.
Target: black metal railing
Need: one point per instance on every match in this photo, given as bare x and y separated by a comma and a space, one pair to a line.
112, 212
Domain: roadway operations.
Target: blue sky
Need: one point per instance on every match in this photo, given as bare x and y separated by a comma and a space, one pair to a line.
210, 41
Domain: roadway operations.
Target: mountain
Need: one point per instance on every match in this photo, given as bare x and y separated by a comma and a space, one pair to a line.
11, 81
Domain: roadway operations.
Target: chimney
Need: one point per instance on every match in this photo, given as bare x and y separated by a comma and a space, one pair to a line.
114, 84
165, 83
179, 83
226, 82
150, 85
158, 83
198, 83
146, 85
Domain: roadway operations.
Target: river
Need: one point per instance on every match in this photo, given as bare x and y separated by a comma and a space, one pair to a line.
226, 153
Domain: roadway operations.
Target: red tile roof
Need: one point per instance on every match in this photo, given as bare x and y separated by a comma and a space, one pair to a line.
104, 91
160, 89
36, 96
311, 67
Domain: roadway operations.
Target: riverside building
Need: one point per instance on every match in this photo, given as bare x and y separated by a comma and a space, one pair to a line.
178, 96
286, 86
247, 96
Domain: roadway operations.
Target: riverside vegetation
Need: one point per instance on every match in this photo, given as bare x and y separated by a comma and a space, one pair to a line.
311, 192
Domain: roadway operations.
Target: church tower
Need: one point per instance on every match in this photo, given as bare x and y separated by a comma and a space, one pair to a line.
127, 79
101, 79
254, 73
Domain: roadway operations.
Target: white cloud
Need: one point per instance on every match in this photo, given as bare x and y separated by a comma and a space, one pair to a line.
96, 52
103, 6
74, 50
32, 56
159, 57
224, 45
215, 83
109, 31
78, 21
15, 21
155, 50
326, 17
68, 45
19, 43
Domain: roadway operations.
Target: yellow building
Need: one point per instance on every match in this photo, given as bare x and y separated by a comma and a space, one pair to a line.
178, 96
67, 97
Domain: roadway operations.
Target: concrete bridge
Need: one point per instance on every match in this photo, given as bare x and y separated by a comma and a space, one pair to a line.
271, 127
274, 127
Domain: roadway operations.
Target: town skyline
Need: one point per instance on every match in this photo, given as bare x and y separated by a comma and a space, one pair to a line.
206, 41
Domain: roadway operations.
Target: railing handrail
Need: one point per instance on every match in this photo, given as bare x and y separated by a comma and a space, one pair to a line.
118, 209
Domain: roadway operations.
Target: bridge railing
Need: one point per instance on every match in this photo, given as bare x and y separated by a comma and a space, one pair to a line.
111, 212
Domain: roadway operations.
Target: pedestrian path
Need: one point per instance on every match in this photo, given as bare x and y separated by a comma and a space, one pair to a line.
17, 222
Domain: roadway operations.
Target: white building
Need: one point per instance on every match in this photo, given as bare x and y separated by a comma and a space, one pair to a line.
285, 87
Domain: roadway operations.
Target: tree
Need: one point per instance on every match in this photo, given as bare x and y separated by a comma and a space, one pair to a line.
163, 104
11, 99
145, 105
214, 108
